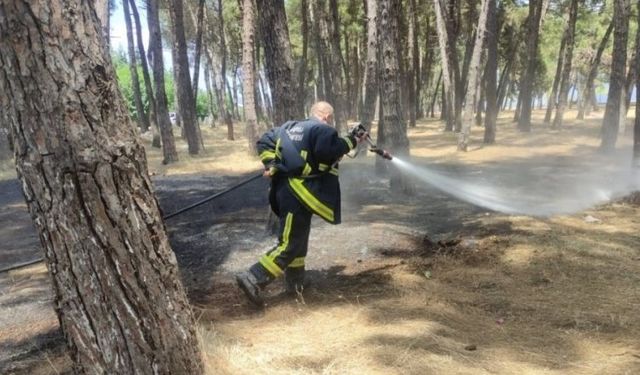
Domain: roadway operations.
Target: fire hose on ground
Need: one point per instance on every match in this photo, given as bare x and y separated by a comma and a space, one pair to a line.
358, 130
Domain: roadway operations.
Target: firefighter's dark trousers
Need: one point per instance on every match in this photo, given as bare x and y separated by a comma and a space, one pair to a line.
293, 237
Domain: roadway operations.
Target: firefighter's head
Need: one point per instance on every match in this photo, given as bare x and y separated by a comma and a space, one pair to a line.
323, 111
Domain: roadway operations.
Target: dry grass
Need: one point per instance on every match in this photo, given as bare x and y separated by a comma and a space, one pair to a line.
526, 296
544, 296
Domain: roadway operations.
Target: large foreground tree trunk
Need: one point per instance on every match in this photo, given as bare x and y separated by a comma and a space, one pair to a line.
115, 279
611, 120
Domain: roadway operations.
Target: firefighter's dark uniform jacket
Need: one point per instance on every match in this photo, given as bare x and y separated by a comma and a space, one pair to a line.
303, 160
306, 153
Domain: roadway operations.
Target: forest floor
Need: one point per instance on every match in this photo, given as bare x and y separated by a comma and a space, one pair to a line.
408, 284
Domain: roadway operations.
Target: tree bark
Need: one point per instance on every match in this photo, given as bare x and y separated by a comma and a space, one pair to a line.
155, 55
198, 52
184, 91
141, 116
117, 293
491, 74
435, 95
566, 70
225, 107
553, 96
447, 65
104, 16
593, 73
248, 77
611, 120
393, 129
526, 87
473, 76
302, 73
371, 72
275, 40
338, 69
636, 127
145, 75
413, 72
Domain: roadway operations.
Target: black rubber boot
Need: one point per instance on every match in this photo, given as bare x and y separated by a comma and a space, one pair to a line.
252, 282
294, 281
249, 285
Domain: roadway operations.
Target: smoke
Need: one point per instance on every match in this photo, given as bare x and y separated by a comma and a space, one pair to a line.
531, 187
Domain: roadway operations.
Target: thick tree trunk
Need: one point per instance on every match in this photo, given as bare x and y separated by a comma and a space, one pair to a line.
155, 55
611, 120
491, 74
275, 40
198, 54
117, 293
248, 76
526, 86
184, 91
141, 116
393, 129
593, 72
371, 73
473, 76
567, 60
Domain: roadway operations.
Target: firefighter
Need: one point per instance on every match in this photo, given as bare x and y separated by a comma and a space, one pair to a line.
301, 159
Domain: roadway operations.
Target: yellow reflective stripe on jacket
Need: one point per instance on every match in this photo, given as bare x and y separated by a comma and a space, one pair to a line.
267, 260
278, 154
297, 263
307, 169
310, 200
323, 167
349, 143
303, 153
267, 155
334, 171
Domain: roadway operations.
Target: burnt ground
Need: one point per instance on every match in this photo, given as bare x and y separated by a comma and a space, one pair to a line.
212, 242
419, 281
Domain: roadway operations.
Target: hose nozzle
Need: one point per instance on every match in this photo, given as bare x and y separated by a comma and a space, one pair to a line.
384, 153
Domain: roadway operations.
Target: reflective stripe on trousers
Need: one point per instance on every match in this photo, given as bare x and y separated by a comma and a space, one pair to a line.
293, 236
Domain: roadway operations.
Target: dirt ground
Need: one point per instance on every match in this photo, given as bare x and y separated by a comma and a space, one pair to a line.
408, 284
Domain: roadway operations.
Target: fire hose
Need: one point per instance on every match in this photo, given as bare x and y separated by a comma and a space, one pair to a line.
358, 131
